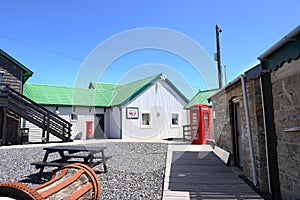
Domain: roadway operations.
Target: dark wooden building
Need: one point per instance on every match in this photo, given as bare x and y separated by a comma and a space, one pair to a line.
14, 106
12, 74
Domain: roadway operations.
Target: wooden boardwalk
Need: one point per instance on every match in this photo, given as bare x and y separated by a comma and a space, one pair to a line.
201, 175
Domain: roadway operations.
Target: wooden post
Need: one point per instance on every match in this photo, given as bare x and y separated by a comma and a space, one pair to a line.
63, 130
44, 126
4, 127
218, 30
225, 75
48, 127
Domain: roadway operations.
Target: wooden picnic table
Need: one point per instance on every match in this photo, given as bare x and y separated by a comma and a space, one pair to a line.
81, 154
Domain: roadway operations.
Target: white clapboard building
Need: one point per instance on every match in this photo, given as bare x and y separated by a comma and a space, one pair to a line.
148, 108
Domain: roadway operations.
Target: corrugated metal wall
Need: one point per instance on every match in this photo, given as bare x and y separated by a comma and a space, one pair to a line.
160, 100
78, 126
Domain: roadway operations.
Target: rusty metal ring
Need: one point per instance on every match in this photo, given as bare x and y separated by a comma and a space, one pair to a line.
91, 174
18, 191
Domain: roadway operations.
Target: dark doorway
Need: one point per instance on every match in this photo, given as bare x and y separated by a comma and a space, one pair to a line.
99, 126
236, 133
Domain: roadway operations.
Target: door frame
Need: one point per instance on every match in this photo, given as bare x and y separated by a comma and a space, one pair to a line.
236, 132
102, 125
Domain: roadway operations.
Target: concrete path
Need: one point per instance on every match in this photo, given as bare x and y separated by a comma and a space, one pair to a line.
194, 172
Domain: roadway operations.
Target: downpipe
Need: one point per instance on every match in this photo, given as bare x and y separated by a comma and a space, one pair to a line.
249, 131
266, 140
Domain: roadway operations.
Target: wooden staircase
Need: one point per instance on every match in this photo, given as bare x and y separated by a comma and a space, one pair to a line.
24, 107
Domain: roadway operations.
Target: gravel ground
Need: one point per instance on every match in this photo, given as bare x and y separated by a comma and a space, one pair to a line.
135, 171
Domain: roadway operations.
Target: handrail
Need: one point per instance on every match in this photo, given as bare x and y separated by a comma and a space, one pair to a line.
56, 124
186, 129
39, 106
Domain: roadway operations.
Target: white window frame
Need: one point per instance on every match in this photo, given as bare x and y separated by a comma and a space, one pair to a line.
150, 120
178, 119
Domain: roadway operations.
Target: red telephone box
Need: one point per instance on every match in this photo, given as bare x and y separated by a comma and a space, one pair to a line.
200, 118
89, 129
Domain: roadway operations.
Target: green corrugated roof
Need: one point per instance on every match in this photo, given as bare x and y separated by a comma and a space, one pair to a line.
102, 86
106, 90
59, 95
99, 94
201, 98
27, 73
125, 93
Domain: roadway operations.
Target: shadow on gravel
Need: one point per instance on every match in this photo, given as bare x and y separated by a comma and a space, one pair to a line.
33, 178
174, 139
99, 172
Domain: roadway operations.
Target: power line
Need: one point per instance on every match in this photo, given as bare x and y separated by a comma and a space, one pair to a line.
41, 48
61, 54
78, 59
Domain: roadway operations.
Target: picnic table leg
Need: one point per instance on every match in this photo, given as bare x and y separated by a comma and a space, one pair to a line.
41, 172
103, 161
42, 167
62, 155
89, 158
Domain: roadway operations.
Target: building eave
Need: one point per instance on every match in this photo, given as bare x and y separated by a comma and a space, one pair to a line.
287, 49
289, 37
27, 73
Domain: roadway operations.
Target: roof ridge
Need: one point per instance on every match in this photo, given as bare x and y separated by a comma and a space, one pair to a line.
198, 99
133, 89
208, 90
140, 80
99, 82
55, 86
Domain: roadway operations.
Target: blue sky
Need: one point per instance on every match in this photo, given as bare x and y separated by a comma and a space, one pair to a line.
55, 38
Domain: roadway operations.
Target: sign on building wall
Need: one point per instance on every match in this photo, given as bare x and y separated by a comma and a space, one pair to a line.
132, 113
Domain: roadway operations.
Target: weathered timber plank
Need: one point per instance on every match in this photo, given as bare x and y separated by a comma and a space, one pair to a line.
204, 176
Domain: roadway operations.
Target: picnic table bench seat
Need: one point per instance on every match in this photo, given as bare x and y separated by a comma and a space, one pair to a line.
68, 154
59, 163
82, 156
50, 164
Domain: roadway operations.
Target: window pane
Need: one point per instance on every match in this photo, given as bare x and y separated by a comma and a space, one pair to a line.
74, 117
145, 119
174, 119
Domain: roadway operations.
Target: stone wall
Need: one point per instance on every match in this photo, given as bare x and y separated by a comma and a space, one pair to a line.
223, 128
221, 122
258, 134
286, 103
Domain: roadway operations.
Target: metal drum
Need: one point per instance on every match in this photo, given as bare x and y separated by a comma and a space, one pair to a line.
74, 181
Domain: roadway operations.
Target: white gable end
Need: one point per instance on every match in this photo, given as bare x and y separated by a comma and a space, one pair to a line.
156, 106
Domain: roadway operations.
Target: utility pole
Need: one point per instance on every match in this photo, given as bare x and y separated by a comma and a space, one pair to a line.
225, 75
218, 30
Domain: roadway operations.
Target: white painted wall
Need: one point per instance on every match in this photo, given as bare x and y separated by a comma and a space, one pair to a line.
160, 100
84, 114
